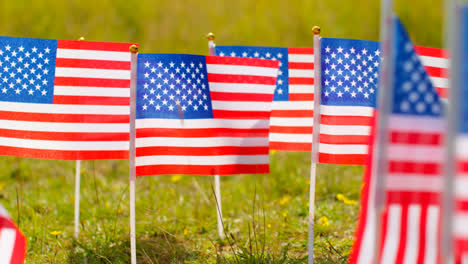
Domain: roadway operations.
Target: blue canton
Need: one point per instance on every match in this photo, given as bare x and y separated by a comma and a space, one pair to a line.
27, 69
173, 86
413, 93
464, 70
350, 72
272, 53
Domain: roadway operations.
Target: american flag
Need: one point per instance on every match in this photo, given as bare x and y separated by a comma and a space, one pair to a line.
461, 179
64, 99
350, 74
292, 112
413, 157
12, 241
203, 115
436, 64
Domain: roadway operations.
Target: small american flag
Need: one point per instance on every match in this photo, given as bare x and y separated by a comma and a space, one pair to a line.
12, 241
292, 112
411, 220
436, 64
64, 99
203, 115
350, 74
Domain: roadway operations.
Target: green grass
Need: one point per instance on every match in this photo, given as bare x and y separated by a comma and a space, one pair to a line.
176, 216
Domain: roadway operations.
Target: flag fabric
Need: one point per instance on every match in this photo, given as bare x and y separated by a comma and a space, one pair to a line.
436, 64
410, 223
292, 111
63, 99
12, 241
461, 177
203, 115
350, 74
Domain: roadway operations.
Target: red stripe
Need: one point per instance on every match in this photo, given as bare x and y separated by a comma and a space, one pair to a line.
461, 205
94, 45
403, 234
200, 132
343, 159
240, 114
426, 168
92, 82
93, 64
63, 118
204, 151
462, 166
416, 138
309, 51
64, 136
242, 61
201, 169
292, 113
237, 78
442, 92
301, 65
346, 120
291, 130
90, 100
242, 97
422, 235
301, 97
436, 72
384, 232
344, 140
63, 155
301, 80
287, 146
431, 52
413, 197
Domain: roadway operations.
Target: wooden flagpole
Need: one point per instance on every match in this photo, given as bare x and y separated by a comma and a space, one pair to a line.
315, 140
132, 168
77, 190
219, 211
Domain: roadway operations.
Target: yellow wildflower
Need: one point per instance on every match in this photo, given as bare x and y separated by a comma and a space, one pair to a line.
269, 226
324, 221
285, 214
272, 152
176, 178
285, 200
340, 197
56, 233
2, 185
347, 201
185, 231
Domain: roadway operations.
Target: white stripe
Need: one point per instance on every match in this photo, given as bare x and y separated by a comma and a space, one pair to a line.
367, 248
332, 110
416, 153
412, 238
7, 244
241, 70
432, 227
460, 226
342, 149
345, 130
461, 186
93, 55
439, 82
202, 160
416, 124
462, 147
92, 73
242, 88
293, 105
201, 142
435, 62
283, 137
200, 123
241, 106
299, 89
465, 259
63, 145
292, 122
414, 182
301, 58
64, 109
65, 127
91, 91
301, 73
392, 239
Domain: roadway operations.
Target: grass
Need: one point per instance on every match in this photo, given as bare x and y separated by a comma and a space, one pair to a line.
176, 215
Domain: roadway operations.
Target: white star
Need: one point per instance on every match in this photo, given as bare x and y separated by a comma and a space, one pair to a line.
366, 95
327, 93
268, 54
171, 64
346, 55
364, 51
353, 94
280, 91
47, 50
279, 55
352, 50
327, 49
157, 107
8, 47
244, 54
44, 92
27, 54
146, 75
233, 54
160, 64
346, 89
21, 48
370, 57
31, 91
377, 53
14, 54
221, 54
340, 49
18, 91
340, 94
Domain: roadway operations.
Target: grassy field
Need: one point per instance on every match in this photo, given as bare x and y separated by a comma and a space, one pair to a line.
265, 215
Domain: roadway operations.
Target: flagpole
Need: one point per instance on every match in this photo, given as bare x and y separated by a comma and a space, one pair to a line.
219, 211
384, 108
77, 189
132, 172
315, 139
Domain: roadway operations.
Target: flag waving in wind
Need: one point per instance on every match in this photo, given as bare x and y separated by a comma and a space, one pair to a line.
413, 158
203, 115
64, 99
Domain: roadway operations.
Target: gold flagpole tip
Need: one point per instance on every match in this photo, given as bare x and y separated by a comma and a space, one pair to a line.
316, 30
81, 39
210, 36
133, 48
